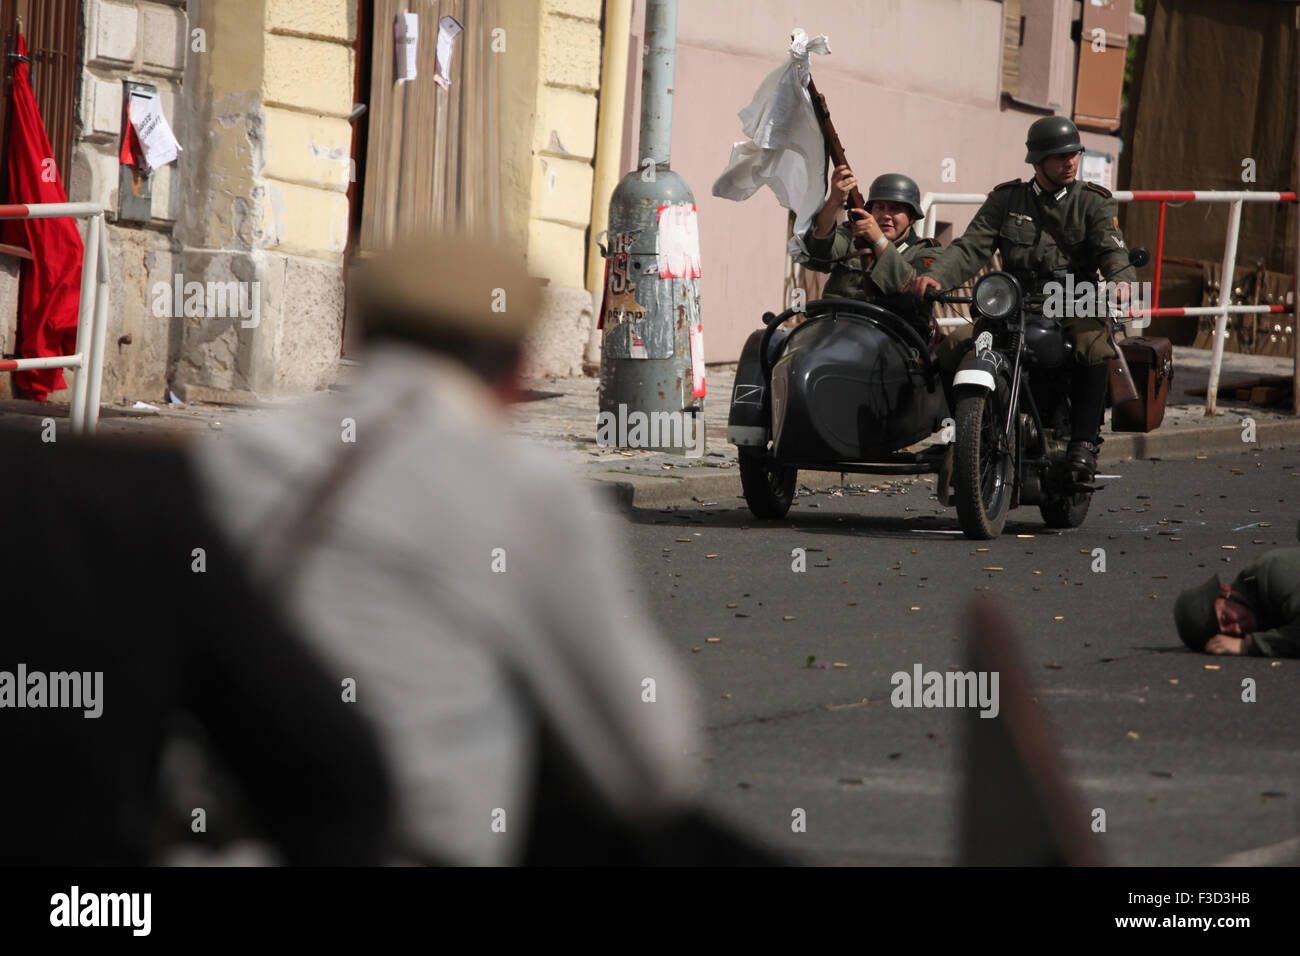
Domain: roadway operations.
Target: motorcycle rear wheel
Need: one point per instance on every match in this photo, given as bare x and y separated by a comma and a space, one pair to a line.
982, 478
768, 487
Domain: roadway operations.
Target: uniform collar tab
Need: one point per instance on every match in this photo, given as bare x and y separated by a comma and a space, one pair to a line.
1039, 190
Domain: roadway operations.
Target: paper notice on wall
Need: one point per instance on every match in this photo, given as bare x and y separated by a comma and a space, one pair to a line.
636, 348
1097, 168
406, 37
679, 242
448, 29
697, 358
154, 134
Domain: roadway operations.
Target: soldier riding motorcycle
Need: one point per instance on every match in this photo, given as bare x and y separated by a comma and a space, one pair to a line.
1052, 222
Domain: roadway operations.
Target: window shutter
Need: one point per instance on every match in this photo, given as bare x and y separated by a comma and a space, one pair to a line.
1011, 26
1099, 85
52, 28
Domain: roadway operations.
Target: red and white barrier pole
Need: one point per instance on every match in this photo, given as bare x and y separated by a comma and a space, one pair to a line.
1201, 195
1207, 310
92, 309
1160, 254
1225, 300
90, 257
95, 384
50, 210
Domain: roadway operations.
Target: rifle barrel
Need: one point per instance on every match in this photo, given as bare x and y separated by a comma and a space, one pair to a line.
836, 150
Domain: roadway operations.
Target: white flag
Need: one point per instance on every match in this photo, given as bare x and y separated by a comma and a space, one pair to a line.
786, 150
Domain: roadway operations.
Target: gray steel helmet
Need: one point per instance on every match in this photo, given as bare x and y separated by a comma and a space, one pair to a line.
895, 187
1051, 136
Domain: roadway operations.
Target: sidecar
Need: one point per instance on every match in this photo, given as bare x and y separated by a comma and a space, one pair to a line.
846, 390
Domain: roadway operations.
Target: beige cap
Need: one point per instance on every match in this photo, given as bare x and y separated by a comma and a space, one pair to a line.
454, 286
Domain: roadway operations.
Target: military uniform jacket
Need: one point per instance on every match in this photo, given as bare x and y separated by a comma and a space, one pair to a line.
1273, 586
859, 277
881, 281
1015, 219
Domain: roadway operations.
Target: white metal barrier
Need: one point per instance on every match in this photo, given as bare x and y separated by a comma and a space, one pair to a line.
92, 311
930, 202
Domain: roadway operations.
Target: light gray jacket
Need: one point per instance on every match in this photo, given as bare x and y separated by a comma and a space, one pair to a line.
399, 593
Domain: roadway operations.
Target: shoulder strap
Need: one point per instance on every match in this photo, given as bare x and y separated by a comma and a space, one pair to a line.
296, 523
1071, 252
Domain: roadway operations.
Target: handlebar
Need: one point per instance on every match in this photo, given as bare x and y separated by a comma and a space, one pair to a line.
942, 295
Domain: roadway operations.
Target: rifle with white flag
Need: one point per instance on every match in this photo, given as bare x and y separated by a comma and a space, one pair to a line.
836, 149
790, 133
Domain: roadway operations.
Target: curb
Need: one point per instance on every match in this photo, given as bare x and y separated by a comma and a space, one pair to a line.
637, 491
1188, 442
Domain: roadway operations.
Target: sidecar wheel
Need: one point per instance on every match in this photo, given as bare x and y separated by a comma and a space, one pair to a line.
982, 478
1065, 511
769, 487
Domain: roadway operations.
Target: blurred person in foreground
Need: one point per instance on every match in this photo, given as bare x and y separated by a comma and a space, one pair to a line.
1257, 615
467, 583
130, 628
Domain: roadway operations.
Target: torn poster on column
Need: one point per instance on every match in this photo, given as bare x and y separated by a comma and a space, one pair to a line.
406, 39
679, 242
697, 360
152, 130
448, 29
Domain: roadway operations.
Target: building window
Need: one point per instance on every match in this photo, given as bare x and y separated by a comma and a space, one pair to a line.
53, 31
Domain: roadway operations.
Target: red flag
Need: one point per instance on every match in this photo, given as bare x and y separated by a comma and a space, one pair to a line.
51, 280
132, 153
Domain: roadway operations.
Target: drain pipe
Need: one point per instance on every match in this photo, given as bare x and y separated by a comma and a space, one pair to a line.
609, 146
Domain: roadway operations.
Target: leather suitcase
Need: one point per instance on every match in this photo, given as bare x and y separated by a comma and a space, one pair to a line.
1152, 363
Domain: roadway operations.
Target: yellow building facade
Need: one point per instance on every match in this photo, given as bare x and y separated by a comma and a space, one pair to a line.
302, 147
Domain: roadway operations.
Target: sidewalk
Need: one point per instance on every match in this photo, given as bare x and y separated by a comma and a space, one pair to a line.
567, 421
562, 415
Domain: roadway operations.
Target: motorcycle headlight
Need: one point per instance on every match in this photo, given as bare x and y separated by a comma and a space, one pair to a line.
997, 295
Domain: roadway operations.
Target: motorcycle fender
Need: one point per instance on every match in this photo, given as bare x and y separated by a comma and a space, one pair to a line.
748, 423
978, 370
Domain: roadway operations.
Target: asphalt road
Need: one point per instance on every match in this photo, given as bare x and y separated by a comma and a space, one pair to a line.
1186, 771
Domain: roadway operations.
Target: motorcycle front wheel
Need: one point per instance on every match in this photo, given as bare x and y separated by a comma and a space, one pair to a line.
1065, 511
768, 487
983, 477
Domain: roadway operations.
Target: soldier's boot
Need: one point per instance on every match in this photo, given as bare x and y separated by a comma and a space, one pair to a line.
1087, 405
1082, 461
943, 484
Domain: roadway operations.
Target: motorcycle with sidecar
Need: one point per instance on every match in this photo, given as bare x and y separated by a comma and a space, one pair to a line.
853, 386
848, 389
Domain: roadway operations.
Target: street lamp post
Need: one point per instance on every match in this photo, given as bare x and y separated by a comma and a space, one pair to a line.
652, 366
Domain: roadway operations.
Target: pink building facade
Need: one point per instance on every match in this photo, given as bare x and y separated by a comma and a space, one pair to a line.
914, 86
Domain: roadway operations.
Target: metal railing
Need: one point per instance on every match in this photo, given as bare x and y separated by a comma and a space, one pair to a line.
92, 311
930, 202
